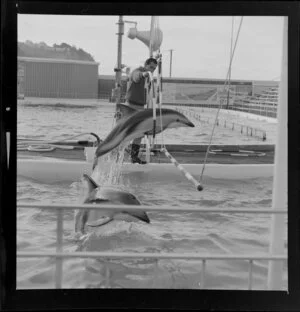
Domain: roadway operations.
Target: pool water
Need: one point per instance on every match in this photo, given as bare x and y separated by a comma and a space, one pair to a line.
178, 232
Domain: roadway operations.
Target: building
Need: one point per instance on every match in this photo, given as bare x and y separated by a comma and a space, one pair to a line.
58, 78
106, 83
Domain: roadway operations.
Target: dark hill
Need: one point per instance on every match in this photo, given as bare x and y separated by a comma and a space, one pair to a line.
57, 51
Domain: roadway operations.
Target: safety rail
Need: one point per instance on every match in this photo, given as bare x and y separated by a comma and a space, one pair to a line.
60, 255
256, 109
264, 104
247, 130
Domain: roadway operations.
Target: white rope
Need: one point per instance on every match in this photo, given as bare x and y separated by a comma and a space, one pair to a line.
153, 105
219, 108
153, 101
229, 73
153, 34
159, 90
239, 153
150, 95
40, 148
163, 148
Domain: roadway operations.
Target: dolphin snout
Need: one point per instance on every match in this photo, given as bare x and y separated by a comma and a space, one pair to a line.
189, 124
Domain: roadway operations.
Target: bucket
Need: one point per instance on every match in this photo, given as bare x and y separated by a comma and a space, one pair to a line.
89, 153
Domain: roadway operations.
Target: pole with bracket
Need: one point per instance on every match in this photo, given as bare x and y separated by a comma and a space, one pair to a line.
279, 200
118, 68
148, 153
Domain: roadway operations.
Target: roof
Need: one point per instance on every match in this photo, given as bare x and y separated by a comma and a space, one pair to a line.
52, 60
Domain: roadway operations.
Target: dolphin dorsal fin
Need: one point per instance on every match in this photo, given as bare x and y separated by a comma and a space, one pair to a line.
125, 110
91, 182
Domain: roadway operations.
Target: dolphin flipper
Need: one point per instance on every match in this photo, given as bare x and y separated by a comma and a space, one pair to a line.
141, 215
100, 221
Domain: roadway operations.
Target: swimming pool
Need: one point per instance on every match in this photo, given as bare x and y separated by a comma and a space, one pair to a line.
180, 232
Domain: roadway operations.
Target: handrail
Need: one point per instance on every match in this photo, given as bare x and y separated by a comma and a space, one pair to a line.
150, 255
148, 208
230, 124
59, 248
59, 255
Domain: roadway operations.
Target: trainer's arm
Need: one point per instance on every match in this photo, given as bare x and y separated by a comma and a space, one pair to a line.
137, 75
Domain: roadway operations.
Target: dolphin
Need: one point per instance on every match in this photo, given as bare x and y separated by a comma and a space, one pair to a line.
108, 195
136, 124
124, 111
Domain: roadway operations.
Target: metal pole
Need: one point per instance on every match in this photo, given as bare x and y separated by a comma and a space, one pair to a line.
151, 36
279, 200
171, 54
59, 245
118, 69
8, 145
147, 140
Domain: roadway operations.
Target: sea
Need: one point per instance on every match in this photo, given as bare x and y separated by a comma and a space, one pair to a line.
176, 232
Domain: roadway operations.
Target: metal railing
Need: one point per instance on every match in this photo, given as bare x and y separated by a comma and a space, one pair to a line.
264, 104
242, 128
60, 255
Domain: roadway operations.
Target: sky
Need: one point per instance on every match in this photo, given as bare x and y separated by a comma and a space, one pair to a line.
201, 44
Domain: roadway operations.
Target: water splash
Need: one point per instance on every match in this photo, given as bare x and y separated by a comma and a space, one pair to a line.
108, 170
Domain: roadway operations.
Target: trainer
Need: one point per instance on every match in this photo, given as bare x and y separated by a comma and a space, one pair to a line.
136, 97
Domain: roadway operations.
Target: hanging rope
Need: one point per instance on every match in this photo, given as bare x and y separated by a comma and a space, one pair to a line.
216, 119
158, 100
159, 92
154, 28
239, 153
229, 76
153, 103
163, 147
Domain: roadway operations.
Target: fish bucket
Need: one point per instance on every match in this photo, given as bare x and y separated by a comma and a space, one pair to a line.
89, 153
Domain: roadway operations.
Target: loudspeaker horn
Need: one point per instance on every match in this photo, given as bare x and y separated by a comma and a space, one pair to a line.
144, 36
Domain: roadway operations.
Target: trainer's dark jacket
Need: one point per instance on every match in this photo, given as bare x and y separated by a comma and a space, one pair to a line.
136, 92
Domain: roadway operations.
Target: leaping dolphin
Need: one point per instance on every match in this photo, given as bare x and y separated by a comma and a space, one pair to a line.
136, 124
96, 195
